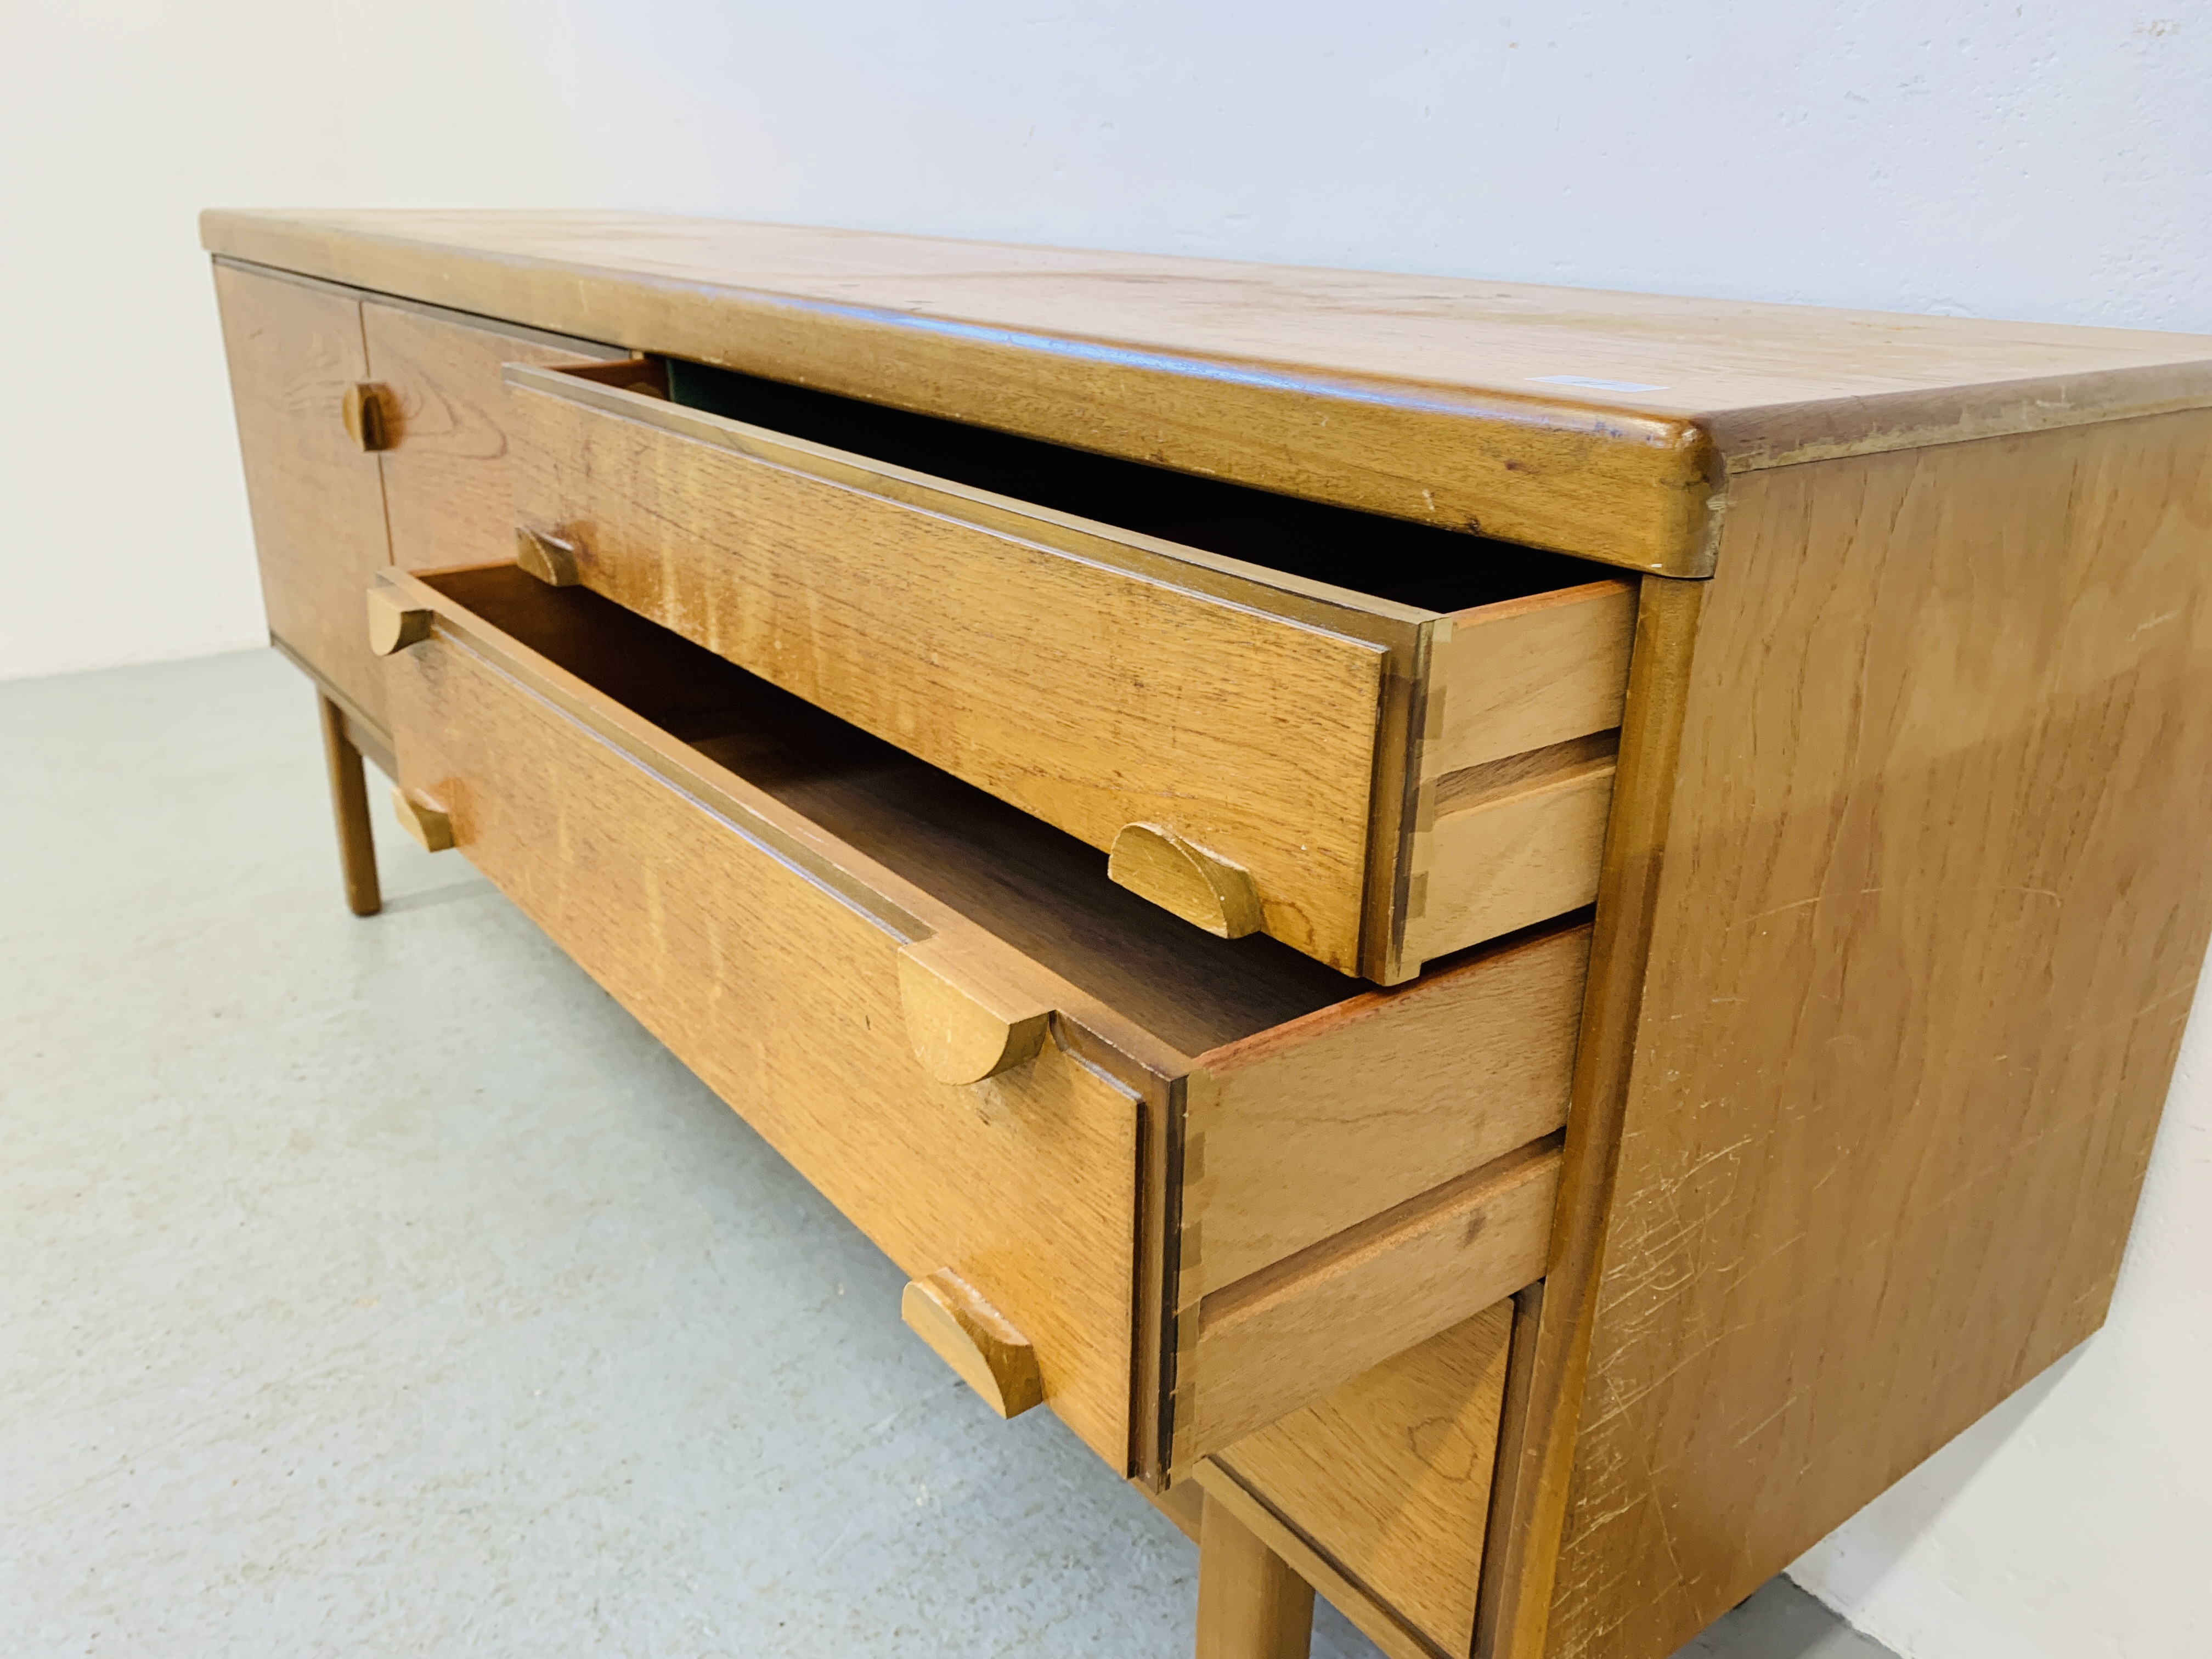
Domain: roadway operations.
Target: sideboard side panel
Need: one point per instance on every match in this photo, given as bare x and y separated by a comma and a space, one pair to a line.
1929, 926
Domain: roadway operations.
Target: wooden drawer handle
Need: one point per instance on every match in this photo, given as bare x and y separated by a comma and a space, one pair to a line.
1206, 891
425, 820
549, 558
393, 626
974, 1337
365, 408
962, 1025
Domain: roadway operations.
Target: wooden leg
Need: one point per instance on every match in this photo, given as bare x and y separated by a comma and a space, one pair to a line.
1250, 1604
349, 801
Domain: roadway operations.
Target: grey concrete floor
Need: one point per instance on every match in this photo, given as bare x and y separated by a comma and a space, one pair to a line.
380, 1287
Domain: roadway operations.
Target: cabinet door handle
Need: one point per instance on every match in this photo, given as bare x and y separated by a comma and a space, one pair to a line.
975, 1339
366, 409
424, 819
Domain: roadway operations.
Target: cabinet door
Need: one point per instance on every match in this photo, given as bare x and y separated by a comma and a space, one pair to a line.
444, 467
295, 351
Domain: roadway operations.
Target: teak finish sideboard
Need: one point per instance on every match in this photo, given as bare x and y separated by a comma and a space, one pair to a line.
1515, 944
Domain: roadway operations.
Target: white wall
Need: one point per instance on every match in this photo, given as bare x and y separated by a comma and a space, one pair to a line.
122, 526
2008, 159
2038, 160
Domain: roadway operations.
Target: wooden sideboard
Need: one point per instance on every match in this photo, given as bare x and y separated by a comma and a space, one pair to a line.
1514, 943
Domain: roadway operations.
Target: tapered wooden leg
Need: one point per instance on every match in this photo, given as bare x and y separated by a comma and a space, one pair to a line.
349, 802
1250, 1604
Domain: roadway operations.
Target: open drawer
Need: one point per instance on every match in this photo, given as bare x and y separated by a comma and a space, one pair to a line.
1378, 743
1196, 1182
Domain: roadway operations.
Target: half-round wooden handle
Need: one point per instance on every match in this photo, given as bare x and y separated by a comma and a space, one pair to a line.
1206, 891
366, 409
963, 1025
393, 626
975, 1339
551, 559
424, 819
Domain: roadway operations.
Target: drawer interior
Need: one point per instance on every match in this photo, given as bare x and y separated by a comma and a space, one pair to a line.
1412, 564
1042, 891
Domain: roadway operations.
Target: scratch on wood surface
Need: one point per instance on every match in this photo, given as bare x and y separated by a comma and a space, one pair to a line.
1670, 1183
1754, 1430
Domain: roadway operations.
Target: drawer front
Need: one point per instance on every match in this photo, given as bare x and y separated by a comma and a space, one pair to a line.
1096, 697
785, 998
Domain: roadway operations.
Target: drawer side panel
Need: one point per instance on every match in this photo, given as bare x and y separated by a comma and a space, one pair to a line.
1304, 1131
1272, 1343
1530, 673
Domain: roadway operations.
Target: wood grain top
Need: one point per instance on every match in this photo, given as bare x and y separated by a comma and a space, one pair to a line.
1599, 423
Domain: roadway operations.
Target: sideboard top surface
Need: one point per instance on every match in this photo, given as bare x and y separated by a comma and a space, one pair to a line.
1601, 422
